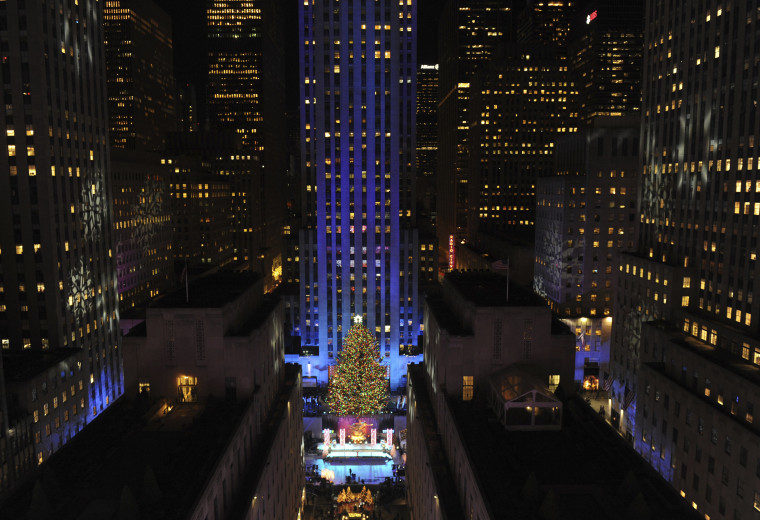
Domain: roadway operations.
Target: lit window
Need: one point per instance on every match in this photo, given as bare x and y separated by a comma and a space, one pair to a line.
467, 388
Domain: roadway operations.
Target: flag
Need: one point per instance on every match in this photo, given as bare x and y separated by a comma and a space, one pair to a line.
498, 265
607, 382
628, 399
582, 339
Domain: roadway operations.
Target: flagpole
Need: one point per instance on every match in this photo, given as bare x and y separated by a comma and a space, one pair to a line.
507, 279
187, 284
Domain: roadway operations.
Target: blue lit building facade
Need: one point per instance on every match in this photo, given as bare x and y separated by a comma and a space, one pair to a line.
358, 247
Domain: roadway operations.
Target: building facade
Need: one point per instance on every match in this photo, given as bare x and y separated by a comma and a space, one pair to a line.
686, 382
585, 216
142, 227
201, 205
468, 34
358, 247
246, 96
57, 262
427, 137
479, 325
524, 101
141, 86
604, 51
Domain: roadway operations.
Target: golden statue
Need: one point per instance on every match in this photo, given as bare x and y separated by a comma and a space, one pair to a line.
357, 432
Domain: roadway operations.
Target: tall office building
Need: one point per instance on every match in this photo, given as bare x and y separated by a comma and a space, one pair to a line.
246, 96
142, 227
585, 215
141, 87
141, 110
522, 103
547, 23
586, 207
357, 246
686, 357
469, 32
427, 136
606, 41
59, 324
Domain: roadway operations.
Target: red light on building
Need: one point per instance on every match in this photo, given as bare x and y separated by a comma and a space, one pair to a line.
591, 17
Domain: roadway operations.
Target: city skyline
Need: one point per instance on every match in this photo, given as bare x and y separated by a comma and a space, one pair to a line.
545, 214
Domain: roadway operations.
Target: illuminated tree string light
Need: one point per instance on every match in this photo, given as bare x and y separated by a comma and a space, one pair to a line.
359, 386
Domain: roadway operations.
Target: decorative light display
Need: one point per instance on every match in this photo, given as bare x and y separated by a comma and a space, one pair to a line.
373, 437
342, 436
452, 253
326, 436
389, 436
359, 386
149, 219
92, 207
81, 288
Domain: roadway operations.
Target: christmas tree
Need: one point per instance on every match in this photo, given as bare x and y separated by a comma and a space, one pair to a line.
358, 386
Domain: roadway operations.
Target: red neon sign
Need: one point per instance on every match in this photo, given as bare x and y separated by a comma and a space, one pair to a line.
591, 17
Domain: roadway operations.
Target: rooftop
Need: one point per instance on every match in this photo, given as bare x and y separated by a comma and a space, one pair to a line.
487, 289
439, 464
276, 415
23, 366
181, 449
254, 321
445, 317
721, 357
587, 467
212, 291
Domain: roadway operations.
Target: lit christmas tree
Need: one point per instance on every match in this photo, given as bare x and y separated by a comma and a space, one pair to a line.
358, 386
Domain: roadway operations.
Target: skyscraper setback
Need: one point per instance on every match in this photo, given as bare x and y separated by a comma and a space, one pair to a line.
59, 323
358, 247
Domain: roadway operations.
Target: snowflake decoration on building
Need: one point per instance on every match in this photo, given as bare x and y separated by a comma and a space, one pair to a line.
92, 207
148, 212
80, 289
551, 243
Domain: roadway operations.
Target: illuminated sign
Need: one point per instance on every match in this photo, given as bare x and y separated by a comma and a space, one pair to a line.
429, 67
591, 17
451, 252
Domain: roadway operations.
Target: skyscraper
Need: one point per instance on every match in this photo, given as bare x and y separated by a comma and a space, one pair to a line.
585, 215
142, 227
59, 323
469, 32
246, 96
141, 87
685, 343
606, 40
427, 136
522, 102
546, 23
141, 111
586, 208
358, 247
